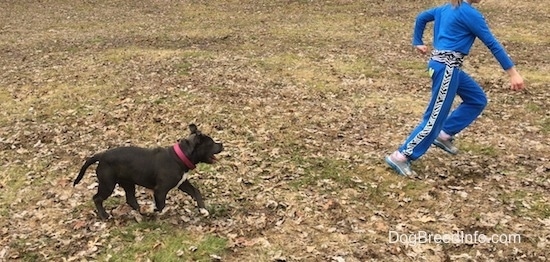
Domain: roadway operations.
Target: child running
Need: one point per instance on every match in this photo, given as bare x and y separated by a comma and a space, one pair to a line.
456, 26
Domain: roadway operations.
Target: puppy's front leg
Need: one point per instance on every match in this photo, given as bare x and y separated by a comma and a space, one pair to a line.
193, 192
160, 199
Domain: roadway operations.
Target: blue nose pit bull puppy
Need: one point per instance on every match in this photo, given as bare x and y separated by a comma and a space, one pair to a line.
159, 169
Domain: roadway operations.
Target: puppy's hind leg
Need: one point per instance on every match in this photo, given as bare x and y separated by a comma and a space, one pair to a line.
104, 190
130, 190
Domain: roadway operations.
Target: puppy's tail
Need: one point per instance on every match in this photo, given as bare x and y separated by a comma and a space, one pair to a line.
88, 163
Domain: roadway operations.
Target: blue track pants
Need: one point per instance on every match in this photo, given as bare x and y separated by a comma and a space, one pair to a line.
447, 82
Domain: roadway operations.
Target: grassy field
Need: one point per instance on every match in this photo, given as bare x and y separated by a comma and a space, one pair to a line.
307, 97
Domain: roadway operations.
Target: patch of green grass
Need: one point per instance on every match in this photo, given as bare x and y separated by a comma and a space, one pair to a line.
359, 66
413, 187
277, 63
202, 167
512, 196
88, 204
532, 107
11, 109
298, 67
158, 241
535, 76
24, 253
160, 100
376, 193
545, 124
319, 169
5, 96
322, 86
541, 209
47, 106
13, 179
383, 187
507, 33
527, 203
479, 149
416, 68
183, 68
118, 56
122, 55
112, 202
217, 210
417, 64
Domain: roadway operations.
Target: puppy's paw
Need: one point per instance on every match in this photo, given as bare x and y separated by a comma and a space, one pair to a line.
162, 212
204, 212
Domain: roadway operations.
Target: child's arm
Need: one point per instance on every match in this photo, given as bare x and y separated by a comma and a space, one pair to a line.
421, 20
478, 26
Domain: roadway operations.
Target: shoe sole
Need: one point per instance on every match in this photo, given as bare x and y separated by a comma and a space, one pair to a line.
445, 148
395, 167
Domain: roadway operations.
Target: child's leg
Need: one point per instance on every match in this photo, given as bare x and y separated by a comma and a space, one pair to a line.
473, 103
444, 87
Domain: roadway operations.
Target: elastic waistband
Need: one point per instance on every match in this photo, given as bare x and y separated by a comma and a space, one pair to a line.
450, 58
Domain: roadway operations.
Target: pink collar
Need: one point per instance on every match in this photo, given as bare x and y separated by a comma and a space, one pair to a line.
183, 158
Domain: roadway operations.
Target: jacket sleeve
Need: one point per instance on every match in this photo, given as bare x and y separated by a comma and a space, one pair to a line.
478, 26
420, 24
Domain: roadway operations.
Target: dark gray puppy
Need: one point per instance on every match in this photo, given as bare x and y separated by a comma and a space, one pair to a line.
159, 169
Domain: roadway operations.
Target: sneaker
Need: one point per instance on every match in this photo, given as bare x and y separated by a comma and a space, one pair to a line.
446, 145
401, 167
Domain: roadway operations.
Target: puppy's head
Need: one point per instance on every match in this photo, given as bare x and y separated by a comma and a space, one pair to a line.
201, 147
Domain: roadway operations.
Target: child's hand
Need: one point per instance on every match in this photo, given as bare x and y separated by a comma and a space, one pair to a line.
516, 80
422, 49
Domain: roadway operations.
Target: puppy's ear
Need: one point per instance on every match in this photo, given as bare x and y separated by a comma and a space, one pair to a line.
193, 129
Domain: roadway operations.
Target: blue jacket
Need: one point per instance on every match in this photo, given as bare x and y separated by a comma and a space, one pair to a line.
456, 28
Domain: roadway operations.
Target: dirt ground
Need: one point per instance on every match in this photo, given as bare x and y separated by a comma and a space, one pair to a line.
307, 97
